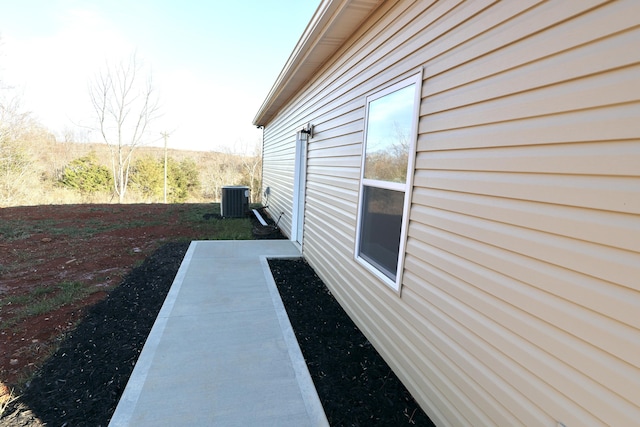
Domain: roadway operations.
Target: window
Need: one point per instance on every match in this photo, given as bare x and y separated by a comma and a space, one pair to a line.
387, 170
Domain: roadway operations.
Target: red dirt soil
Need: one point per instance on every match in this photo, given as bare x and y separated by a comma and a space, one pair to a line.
66, 250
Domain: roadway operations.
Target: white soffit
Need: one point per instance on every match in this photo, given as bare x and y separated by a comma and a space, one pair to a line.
332, 24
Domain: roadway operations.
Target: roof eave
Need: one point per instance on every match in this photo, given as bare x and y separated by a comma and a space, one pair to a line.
331, 25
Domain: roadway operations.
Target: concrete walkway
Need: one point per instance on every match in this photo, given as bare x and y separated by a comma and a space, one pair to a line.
222, 351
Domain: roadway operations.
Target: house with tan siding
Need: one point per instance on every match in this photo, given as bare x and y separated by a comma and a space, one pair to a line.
465, 177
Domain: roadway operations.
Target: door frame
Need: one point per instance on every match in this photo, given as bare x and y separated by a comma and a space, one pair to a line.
299, 188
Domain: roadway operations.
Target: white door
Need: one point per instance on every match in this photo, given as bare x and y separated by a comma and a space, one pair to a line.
299, 183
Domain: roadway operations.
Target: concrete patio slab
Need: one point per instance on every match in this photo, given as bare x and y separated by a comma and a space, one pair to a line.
222, 351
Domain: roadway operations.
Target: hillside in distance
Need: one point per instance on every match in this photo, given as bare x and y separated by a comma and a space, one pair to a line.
44, 161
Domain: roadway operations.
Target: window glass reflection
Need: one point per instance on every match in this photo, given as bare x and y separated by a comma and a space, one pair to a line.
388, 130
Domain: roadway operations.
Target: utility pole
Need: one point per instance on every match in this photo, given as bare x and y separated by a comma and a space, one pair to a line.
165, 135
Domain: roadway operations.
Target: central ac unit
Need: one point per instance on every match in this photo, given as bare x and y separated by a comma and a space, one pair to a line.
235, 201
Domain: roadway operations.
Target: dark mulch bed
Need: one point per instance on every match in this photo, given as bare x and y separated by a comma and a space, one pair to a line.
354, 383
81, 383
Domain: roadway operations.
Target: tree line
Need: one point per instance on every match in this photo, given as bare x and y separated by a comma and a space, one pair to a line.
35, 168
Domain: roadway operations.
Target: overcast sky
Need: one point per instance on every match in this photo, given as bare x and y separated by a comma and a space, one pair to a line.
213, 61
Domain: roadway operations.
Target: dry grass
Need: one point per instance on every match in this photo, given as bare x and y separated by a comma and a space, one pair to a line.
6, 398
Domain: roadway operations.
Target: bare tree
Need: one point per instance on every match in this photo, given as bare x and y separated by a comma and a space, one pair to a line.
252, 169
125, 105
21, 137
216, 171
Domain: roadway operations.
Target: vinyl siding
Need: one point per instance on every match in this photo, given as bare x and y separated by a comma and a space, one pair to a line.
521, 289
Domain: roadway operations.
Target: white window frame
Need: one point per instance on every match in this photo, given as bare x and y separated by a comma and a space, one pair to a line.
402, 187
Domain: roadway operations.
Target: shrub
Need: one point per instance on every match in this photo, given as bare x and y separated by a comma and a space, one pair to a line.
86, 175
183, 178
147, 177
